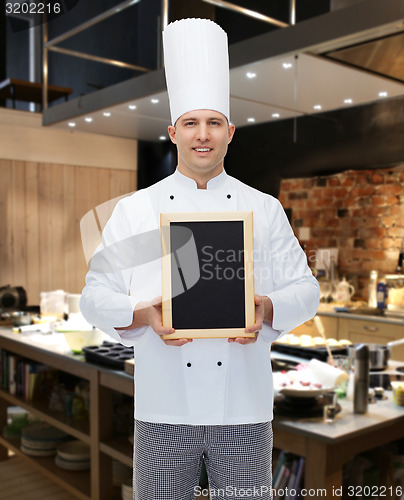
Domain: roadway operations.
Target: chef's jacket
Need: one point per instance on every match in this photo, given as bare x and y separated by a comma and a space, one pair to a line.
207, 381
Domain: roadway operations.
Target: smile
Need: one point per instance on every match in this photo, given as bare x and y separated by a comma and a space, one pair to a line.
202, 150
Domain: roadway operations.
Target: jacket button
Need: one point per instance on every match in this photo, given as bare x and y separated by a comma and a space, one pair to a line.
188, 364
219, 363
171, 196
229, 196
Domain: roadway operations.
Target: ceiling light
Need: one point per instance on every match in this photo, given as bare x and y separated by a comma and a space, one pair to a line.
317, 106
275, 115
71, 124
107, 114
251, 120
287, 65
251, 75
348, 101
154, 101
88, 119
132, 106
383, 94
163, 138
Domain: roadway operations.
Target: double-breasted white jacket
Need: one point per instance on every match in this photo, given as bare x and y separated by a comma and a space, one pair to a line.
207, 381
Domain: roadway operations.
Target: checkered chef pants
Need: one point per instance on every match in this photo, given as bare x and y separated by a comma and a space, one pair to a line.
168, 459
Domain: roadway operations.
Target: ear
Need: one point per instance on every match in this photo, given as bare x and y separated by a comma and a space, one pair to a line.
171, 133
232, 129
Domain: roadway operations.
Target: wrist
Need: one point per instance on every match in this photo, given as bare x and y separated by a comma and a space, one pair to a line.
140, 314
268, 309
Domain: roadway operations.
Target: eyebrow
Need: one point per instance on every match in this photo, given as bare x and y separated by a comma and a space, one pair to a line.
192, 118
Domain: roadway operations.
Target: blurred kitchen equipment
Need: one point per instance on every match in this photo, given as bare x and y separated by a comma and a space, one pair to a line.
323, 259
73, 303
361, 378
21, 318
399, 268
381, 294
395, 295
379, 354
53, 304
77, 340
12, 298
344, 291
372, 302
320, 328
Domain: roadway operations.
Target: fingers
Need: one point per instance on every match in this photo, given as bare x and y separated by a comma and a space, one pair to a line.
244, 340
177, 342
257, 300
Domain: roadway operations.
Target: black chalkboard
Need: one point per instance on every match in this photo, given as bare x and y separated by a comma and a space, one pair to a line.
208, 286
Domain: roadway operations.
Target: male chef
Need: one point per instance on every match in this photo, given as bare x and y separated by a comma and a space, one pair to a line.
208, 399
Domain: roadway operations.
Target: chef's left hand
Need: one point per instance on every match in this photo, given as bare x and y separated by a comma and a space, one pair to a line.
263, 312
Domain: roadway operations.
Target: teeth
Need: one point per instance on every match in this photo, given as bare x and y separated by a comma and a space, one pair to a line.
202, 150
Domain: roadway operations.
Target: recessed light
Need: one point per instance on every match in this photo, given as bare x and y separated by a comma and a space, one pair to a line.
155, 101
275, 115
317, 106
251, 75
163, 138
71, 124
287, 65
383, 94
132, 106
348, 101
88, 119
251, 120
107, 114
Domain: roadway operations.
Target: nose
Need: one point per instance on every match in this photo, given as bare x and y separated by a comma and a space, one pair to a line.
203, 132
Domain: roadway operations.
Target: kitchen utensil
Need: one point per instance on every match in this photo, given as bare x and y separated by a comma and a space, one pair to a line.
21, 318
320, 328
379, 354
344, 291
361, 378
77, 340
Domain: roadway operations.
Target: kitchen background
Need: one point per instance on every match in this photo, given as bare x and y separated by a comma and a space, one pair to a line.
340, 172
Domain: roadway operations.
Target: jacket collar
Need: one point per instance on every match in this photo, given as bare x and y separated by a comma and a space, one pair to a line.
188, 183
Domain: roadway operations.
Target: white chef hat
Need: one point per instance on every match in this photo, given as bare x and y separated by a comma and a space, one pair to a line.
197, 67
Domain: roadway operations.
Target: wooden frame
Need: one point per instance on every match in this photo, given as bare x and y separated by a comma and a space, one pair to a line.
241, 286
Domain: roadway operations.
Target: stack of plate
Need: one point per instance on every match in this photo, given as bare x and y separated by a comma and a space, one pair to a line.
40, 439
73, 455
127, 492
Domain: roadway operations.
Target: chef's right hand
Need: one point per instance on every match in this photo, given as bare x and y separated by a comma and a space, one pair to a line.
150, 313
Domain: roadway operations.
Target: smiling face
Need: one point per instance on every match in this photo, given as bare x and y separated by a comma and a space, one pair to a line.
201, 137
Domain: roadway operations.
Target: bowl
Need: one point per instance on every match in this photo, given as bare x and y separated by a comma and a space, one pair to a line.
21, 318
77, 340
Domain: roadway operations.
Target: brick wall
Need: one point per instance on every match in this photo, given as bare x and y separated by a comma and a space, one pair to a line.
361, 212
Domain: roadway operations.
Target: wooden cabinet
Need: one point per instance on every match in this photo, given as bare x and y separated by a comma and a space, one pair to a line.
330, 325
97, 432
374, 332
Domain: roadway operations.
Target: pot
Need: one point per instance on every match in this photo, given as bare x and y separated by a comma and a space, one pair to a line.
21, 318
379, 354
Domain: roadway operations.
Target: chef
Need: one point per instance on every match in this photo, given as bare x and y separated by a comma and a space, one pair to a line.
208, 399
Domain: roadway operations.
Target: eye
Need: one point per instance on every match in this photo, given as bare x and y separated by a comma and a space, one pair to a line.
189, 124
215, 123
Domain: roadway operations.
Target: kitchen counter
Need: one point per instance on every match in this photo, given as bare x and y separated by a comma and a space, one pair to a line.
322, 311
328, 446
